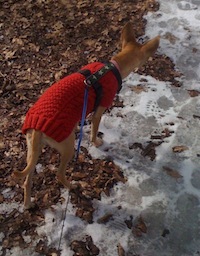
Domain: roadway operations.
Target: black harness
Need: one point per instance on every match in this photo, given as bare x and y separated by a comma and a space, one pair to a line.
92, 80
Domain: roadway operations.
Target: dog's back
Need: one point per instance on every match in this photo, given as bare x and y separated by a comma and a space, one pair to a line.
60, 107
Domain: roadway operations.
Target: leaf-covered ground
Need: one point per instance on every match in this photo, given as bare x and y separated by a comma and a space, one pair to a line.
42, 41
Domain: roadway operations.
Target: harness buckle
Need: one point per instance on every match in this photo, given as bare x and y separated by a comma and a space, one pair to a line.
87, 83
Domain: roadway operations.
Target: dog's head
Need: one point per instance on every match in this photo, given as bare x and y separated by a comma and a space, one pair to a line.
133, 54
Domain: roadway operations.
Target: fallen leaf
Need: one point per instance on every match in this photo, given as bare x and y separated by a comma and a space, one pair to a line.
1, 199
179, 149
120, 250
167, 133
196, 117
105, 218
193, 93
34, 47
90, 42
171, 172
58, 75
58, 26
2, 145
119, 177
165, 232
18, 41
150, 150
139, 88
140, 227
9, 54
129, 223
94, 250
170, 37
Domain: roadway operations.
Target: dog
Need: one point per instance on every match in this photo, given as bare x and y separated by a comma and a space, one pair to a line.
53, 119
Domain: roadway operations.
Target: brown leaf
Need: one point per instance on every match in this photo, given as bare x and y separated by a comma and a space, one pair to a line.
58, 26
2, 144
9, 54
150, 150
170, 37
34, 47
18, 41
58, 75
140, 227
120, 250
179, 149
193, 93
119, 177
105, 218
129, 223
167, 133
196, 117
94, 250
138, 89
171, 172
79, 175
90, 42
137, 232
1, 199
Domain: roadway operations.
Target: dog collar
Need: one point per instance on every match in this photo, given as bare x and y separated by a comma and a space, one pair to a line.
109, 66
116, 64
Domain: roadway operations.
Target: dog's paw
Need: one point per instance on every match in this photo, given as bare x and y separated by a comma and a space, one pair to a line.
65, 182
75, 185
98, 142
30, 206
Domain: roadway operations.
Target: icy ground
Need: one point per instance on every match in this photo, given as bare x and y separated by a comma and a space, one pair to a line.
168, 204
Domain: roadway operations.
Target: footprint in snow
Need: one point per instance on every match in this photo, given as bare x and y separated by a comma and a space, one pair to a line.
152, 109
183, 5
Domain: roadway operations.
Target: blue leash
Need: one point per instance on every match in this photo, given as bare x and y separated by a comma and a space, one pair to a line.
77, 152
82, 121
91, 80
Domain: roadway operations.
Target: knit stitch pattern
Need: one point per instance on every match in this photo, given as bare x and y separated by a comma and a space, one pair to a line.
60, 107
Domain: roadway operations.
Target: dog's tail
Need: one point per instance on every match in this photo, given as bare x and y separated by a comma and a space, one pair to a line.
34, 149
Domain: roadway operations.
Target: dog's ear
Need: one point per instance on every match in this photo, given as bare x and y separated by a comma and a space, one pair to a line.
127, 34
151, 46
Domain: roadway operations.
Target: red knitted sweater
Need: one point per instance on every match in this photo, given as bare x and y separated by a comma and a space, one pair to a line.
60, 107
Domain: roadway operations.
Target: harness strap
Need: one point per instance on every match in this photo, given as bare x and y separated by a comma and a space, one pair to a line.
118, 77
91, 80
97, 87
109, 66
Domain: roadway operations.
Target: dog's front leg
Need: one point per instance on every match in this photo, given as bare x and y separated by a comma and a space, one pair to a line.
96, 119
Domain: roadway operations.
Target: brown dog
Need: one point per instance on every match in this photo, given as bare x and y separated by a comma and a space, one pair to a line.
38, 127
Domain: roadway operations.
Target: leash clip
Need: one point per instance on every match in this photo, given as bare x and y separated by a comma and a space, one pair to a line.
87, 83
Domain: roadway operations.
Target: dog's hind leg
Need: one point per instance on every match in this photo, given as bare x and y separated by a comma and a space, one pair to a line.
34, 144
66, 150
28, 181
27, 190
